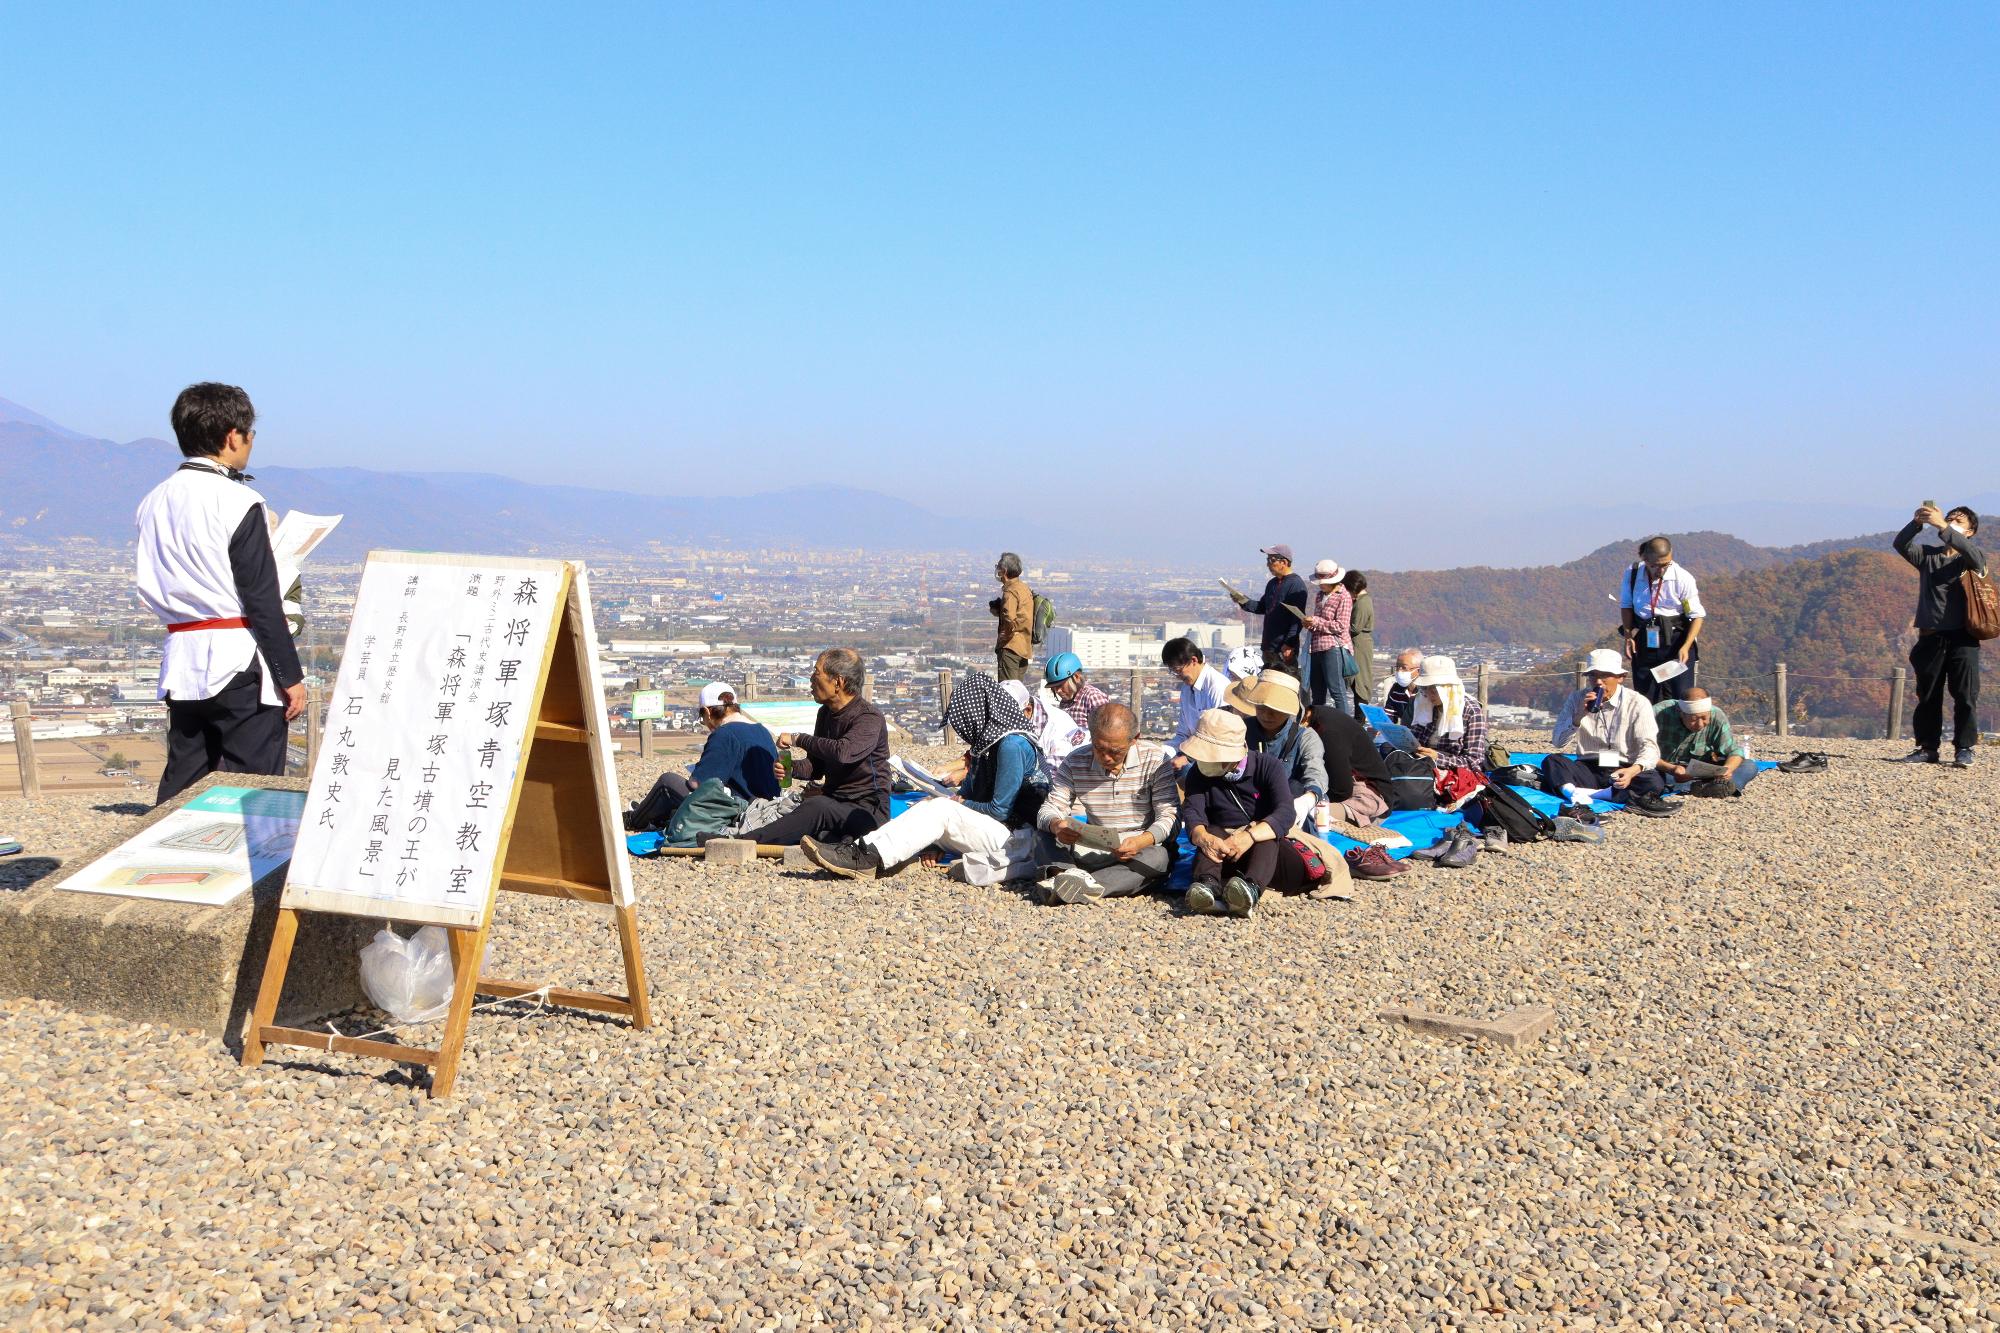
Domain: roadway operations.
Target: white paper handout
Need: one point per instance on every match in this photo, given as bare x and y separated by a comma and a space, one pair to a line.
1668, 669
294, 538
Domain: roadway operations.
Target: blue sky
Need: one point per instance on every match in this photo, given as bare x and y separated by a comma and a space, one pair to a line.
1540, 254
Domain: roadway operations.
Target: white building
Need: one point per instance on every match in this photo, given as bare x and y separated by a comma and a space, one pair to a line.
1208, 636
1097, 649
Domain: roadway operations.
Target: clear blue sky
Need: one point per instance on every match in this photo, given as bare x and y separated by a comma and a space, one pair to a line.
917, 248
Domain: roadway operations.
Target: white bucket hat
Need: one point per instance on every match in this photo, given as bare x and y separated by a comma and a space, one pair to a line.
1437, 670
1605, 662
1328, 571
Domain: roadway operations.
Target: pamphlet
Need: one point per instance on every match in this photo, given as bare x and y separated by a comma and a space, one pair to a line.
1097, 837
294, 538
1668, 669
919, 777
1235, 592
1700, 769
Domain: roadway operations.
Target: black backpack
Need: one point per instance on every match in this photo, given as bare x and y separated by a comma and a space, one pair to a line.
1412, 781
1501, 805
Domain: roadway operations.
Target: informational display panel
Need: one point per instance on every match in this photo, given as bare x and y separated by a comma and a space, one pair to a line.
210, 851
784, 715
425, 735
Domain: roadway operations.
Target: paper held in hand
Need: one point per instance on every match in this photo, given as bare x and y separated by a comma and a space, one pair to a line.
1235, 593
294, 537
1098, 838
1668, 669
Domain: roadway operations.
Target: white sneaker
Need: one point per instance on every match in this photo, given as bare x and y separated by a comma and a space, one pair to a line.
1076, 886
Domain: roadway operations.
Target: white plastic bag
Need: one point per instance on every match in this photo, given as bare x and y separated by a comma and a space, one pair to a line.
409, 979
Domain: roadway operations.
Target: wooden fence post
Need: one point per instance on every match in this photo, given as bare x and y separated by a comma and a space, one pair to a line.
749, 687
24, 750
645, 724
1485, 684
944, 702
1896, 705
1135, 697
1784, 704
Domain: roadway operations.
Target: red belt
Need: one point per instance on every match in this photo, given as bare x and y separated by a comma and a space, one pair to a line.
226, 622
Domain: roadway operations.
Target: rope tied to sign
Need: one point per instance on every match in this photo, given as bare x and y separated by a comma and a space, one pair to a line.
540, 995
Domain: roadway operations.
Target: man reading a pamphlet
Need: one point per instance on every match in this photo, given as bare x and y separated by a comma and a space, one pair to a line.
229, 671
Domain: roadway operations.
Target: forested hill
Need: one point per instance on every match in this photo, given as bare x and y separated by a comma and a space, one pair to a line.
1551, 604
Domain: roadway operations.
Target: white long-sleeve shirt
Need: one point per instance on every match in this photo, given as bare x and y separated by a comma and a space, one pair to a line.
1623, 729
1207, 692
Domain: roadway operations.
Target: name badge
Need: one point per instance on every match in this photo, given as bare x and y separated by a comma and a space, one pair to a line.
1608, 759
1652, 635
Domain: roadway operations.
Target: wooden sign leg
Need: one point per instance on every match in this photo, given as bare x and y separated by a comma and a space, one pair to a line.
266, 1011
468, 952
635, 968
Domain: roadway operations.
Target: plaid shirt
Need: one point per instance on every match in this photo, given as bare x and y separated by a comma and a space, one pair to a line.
1087, 700
1467, 751
1329, 619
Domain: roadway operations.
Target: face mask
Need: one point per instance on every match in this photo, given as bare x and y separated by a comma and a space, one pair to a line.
1404, 678
1961, 529
1212, 768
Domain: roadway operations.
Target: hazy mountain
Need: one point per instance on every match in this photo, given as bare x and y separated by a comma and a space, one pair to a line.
55, 483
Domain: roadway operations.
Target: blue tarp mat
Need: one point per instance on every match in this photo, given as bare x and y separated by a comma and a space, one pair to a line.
1533, 759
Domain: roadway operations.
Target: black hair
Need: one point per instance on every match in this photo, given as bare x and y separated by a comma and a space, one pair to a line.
845, 666
1009, 564
1177, 653
1355, 581
1971, 519
204, 415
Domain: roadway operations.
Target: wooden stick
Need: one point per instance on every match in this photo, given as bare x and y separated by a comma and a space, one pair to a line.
635, 968
327, 1041
764, 849
283, 933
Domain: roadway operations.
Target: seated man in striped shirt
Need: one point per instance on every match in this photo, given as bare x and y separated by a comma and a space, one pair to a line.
1122, 786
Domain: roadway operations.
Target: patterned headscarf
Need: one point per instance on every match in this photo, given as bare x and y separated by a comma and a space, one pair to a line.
982, 714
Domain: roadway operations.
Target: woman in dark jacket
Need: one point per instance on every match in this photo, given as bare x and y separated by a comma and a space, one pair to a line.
1237, 809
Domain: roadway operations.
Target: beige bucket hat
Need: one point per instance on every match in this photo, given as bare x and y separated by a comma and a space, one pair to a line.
1218, 738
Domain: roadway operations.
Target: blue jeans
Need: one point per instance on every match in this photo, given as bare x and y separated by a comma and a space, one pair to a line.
1328, 677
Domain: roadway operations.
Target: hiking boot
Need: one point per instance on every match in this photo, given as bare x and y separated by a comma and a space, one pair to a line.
1913, 757
855, 860
1714, 787
1435, 850
1200, 899
1963, 759
1464, 849
1074, 886
1652, 807
1374, 863
1571, 830
1493, 840
1241, 896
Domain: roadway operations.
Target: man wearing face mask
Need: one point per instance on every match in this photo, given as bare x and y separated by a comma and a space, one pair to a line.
1402, 701
1946, 656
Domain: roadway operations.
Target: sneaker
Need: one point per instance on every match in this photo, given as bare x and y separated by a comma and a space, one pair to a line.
1652, 807
1200, 899
1075, 886
1464, 849
1374, 863
1963, 759
1493, 840
1572, 830
1714, 787
855, 860
1435, 850
1241, 896
1913, 757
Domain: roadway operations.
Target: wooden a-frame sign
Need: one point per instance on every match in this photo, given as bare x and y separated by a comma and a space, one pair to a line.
559, 835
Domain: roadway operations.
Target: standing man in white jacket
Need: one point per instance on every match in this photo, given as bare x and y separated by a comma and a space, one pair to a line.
229, 671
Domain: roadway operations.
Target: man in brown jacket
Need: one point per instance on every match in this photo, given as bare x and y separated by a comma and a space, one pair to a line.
1015, 607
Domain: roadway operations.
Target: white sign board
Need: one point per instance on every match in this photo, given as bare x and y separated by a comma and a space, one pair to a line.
208, 852
648, 705
424, 736
779, 716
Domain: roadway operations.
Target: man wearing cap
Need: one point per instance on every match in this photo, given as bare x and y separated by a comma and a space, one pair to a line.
1272, 703
1696, 740
1120, 784
1284, 589
1237, 809
1449, 726
1660, 617
1331, 651
739, 753
1202, 688
1065, 687
1617, 743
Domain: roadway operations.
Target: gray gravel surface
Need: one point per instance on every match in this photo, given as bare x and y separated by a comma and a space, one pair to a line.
1770, 1102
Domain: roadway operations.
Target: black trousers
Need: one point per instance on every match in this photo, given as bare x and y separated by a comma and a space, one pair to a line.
234, 732
1673, 633
657, 809
1946, 660
818, 817
1558, 769
1269, 865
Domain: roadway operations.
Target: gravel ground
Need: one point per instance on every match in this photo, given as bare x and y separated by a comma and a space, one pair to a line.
1769, 1102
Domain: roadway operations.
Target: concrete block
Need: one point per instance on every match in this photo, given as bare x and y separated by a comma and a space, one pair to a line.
1520, 1026
796, 859
730, 852
174, 964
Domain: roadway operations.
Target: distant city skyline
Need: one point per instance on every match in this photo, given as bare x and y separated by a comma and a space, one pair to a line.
1344, 277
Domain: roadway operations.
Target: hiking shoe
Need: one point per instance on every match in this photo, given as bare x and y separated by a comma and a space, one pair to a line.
1652, 807
1913, 757
1374, 863
855, 860
1571, 830
1074, 886
1963, 759
1493, 840
1200, 899
1582, 814
1464, 849
1435, 850
1240, 896
1714, 787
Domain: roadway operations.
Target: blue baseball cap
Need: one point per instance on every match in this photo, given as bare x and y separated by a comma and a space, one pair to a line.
1061, 667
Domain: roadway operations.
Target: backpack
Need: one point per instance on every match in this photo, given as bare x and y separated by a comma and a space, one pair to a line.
1982, 605
1412, 781
1502, 806
709, 808
1043, 619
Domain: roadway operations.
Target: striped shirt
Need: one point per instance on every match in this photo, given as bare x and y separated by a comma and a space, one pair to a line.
1142, 798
